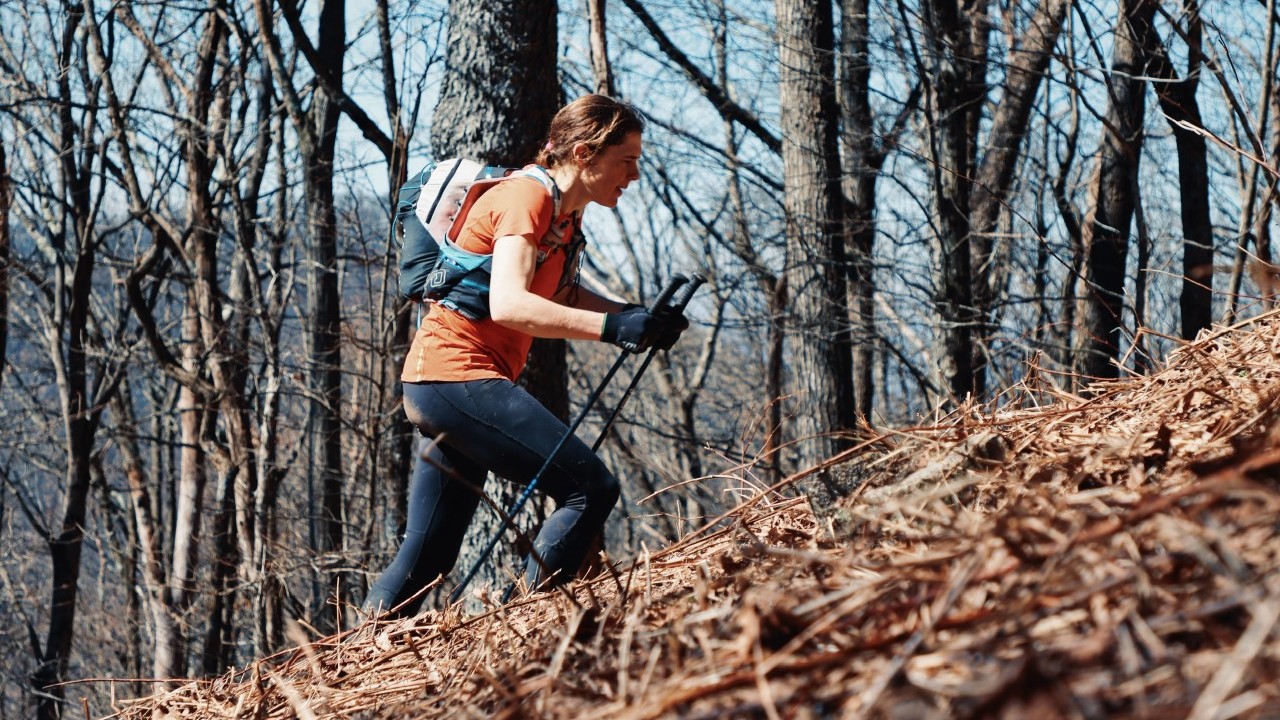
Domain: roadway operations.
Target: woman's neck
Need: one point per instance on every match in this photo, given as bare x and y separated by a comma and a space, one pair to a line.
573, 194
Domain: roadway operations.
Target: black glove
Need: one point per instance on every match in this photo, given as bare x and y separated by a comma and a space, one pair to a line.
633, 329
673, 324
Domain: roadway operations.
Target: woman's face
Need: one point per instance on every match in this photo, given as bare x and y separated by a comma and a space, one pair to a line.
612, 169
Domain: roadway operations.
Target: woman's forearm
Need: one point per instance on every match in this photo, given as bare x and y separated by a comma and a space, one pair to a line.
537, 316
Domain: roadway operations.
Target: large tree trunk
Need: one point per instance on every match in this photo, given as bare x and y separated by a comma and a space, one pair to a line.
1106, 232
821, 361
497, 99
1178, 102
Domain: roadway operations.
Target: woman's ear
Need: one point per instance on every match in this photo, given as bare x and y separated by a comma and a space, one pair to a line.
581, 154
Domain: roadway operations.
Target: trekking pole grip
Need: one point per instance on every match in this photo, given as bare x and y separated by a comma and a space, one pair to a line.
681, 300
664, 298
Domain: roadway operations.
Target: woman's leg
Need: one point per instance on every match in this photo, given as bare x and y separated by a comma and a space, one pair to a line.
496, 423
443, 496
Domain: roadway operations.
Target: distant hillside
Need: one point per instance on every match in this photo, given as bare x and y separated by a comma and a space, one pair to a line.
1062, 557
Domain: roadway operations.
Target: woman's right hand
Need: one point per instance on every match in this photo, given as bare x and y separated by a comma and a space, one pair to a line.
633, 329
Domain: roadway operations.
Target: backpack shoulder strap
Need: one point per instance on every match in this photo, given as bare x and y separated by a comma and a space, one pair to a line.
539, 173
556, 234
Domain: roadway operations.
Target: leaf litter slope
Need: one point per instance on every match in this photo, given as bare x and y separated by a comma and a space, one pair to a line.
1056, 557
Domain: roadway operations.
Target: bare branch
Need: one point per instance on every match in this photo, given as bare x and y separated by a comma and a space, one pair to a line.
713, 92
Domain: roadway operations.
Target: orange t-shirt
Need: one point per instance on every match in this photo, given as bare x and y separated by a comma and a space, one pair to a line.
451, 347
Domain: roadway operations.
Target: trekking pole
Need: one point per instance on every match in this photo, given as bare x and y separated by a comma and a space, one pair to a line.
663, 298
676, 304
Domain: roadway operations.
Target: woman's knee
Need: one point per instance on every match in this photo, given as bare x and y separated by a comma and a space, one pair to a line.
603, 491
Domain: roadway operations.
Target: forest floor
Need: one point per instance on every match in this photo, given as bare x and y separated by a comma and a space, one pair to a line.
1049, 556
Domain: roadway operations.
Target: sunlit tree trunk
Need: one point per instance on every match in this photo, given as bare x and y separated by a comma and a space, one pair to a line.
601, 72
497, 99
821, 360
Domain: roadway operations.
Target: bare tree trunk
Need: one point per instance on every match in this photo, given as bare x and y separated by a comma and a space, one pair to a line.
1249, 219
1178, 103
497, 99
1106, 233
950, 53
6, 199
774, 380
316, 127
71, 365
815, 234
162, 594
1141, 359
772, 286
1026, 67
400, 434
862, 164
220, 637
1064, 334
324, 298
601, 73
317, 131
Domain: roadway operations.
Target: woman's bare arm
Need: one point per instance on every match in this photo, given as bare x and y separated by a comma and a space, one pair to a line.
511, 305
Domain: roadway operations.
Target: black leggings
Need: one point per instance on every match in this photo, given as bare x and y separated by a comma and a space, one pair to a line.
490, 425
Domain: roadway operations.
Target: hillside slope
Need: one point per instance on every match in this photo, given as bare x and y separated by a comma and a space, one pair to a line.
1061, 557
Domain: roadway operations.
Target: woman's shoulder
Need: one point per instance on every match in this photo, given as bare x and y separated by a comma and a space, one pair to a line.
525, 191
519, 200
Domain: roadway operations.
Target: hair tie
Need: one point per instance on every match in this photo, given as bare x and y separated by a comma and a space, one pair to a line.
548, 146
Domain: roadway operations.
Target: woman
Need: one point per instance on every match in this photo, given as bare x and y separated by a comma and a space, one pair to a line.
459, 374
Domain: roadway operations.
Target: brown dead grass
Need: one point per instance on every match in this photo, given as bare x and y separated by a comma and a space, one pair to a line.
1060, 557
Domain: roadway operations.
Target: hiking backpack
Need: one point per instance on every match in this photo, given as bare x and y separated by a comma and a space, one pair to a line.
430, 211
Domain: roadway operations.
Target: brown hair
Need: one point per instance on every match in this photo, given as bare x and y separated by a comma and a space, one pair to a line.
597, 121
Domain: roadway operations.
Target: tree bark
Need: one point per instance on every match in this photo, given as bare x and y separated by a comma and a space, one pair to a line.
862, 164
497, 99
324, 298
1026, 68
1106, 232
6, 199
1177, 98
950, 57
601, 72
70, 354
816, 261
162, 594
